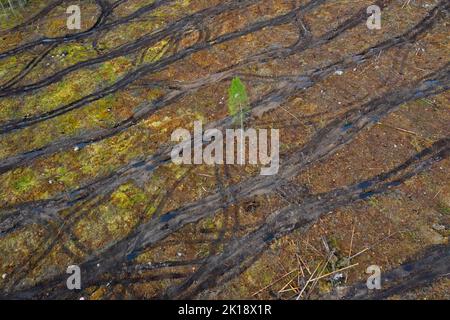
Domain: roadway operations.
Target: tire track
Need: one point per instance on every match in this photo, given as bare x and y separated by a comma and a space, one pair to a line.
32, 212
98, 26
241, 253
13, 125
325, 142
175, 95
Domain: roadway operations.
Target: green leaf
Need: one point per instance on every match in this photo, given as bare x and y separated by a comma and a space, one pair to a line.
237, 99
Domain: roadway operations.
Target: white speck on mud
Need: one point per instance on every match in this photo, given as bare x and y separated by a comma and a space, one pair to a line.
438, 227
338, 276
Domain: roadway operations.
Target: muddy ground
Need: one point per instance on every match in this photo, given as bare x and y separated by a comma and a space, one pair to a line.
86, 118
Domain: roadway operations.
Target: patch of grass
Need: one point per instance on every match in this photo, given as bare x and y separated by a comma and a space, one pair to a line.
25, 182
11, 6
127, 196
373, 202
443, 208
11, 12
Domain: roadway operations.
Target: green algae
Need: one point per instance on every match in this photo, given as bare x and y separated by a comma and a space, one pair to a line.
25, 181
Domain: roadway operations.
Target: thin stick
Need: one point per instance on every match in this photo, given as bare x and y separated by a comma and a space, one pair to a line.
300, 264
271, 284
350, 250
284, 269
304, 264
403, 130
437, 194
287, 284
307, 282
321, 272
312, 247
375, 244
333, 272
323, 276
